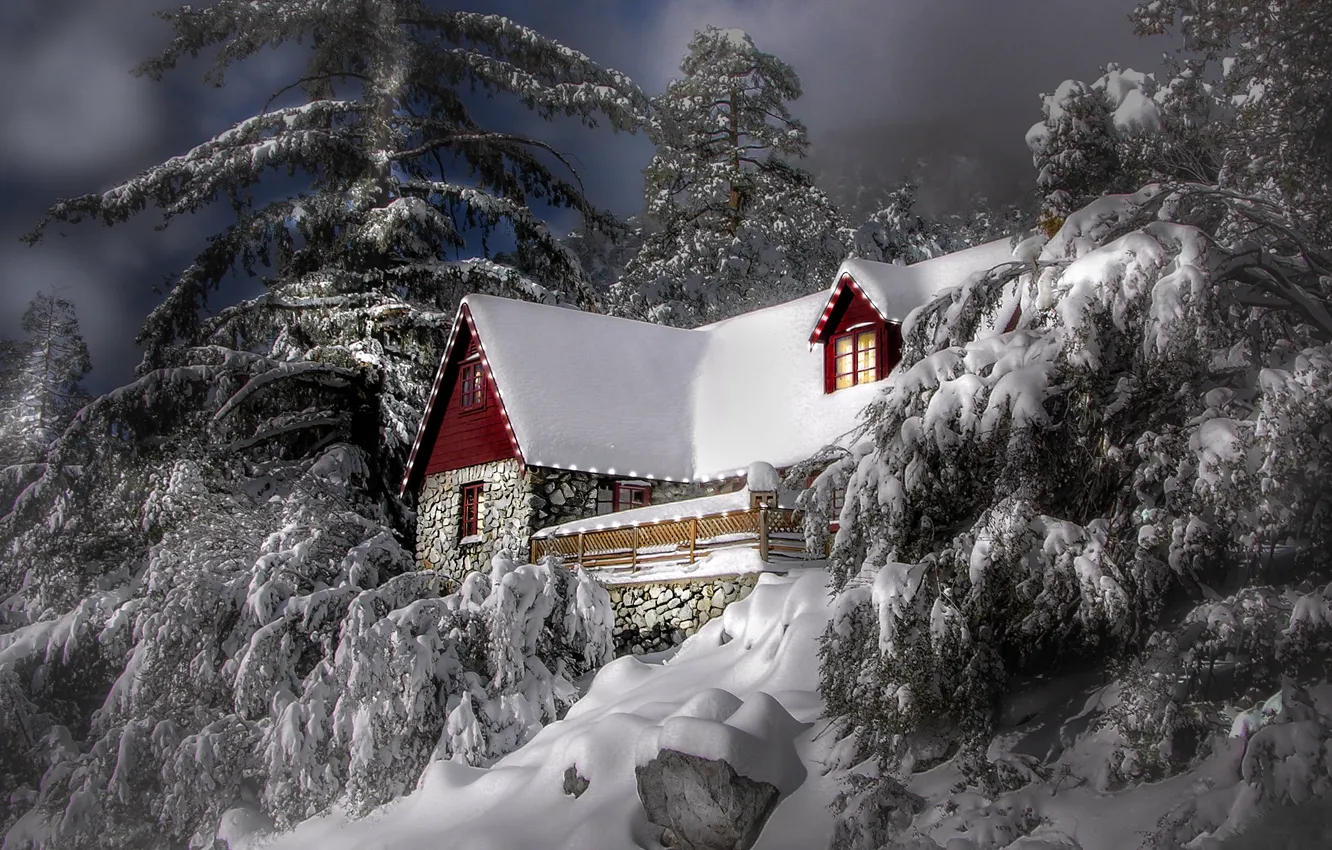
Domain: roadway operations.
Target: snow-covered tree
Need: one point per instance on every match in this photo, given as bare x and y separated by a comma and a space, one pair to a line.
898, 233
737, 225
44, 386
400, 192
1274, 64
1074, 150
605, 253
1156, 420
277, 654
194, 549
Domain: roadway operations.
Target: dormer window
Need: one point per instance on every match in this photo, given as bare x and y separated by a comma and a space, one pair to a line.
855, 358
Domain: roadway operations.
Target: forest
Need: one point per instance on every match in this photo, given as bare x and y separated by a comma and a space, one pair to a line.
208, 598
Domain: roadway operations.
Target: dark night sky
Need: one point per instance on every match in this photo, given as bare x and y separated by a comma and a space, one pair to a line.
875, 74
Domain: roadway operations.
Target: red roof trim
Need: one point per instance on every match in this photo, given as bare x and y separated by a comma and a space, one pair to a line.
425, 432
844, 282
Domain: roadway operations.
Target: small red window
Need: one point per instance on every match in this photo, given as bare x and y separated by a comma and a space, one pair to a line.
473, 386
469, 518
629, 496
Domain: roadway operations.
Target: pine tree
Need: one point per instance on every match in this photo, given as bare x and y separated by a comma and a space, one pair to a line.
44, 388
1075, 150
401, 194
215, 587
898, 233
739, 226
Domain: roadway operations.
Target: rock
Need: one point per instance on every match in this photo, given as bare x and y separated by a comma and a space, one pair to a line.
718, 598
703, 802
677, 637
574, 782
557, 498
655, 592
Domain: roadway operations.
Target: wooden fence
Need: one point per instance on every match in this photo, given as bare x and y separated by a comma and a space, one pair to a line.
772, 531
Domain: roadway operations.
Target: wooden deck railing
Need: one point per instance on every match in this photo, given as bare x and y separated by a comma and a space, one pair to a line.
773, 531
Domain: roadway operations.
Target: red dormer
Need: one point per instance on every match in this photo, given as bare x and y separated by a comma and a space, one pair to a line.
860, 345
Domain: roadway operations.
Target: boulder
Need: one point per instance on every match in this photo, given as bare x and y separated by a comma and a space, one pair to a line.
574, 782
704, 803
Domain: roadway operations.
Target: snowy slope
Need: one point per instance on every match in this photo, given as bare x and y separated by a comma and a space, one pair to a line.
763, 644
767, 644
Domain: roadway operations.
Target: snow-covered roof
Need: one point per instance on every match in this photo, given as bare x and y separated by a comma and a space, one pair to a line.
895, 290
595, 393
723, 503
591, 392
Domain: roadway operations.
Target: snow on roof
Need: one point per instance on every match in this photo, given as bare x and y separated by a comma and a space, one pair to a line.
702, 506
896, 290
764, 398
590, 392
619, 397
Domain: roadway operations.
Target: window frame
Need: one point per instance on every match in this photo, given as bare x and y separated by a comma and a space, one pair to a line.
858, 374
472, 385
470, 511
625, 491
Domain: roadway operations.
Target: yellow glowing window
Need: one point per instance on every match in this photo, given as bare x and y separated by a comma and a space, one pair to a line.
855, 358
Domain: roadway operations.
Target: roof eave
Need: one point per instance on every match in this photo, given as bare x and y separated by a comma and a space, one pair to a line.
844, 281
414, 456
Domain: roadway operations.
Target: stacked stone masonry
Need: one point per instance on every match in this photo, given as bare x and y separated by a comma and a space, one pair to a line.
653, 616
516, 501
505, 519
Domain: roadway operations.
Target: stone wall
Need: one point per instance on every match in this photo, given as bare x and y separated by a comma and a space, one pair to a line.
653, 616
506, 518
559, 495
516, 502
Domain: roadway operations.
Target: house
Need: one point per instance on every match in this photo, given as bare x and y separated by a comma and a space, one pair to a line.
541, 415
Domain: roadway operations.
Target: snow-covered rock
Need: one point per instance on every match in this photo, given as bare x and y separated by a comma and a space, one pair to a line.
704, 803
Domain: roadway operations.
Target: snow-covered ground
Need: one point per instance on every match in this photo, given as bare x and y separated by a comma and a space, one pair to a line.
765, 644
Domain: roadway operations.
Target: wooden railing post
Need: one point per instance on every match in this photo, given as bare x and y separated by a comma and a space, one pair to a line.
763, 534
633, 549
580, 547
693, 537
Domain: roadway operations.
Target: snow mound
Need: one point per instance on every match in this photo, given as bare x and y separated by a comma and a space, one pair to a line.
757, 738
762, 478
749, 682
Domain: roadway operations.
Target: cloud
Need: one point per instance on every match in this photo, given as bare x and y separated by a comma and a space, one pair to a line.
72, 105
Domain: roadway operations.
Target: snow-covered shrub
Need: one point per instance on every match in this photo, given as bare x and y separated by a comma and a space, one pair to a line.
277, 650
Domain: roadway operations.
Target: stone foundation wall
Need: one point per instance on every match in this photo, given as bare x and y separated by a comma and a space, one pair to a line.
654, 616
559, 495
506, 518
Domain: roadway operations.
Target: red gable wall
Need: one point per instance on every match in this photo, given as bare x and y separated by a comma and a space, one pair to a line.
851, 308
467, 437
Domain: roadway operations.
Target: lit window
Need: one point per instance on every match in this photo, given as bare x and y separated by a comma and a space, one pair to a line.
473, 386
469, 518
855, 358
